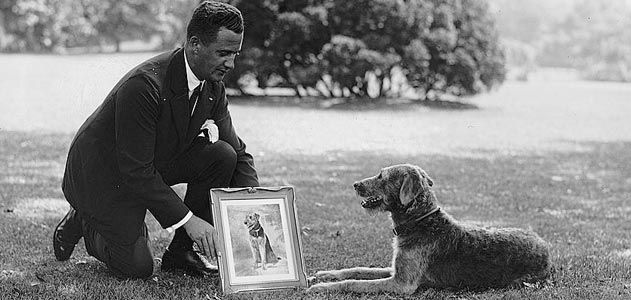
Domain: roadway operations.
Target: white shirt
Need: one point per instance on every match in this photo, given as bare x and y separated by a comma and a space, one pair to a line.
193, 82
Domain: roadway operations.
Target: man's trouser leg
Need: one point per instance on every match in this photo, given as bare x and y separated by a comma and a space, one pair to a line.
125, 261
202, 167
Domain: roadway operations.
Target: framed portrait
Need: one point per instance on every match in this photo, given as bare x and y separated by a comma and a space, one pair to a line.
259, 245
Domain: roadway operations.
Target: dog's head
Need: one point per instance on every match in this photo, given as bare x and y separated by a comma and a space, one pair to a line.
394, 188
251, 219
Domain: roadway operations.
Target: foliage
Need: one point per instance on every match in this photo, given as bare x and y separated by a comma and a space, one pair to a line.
37, 24
342, 48
337, 48
459, 54
53, 25
282, 43
590, 36
594, 38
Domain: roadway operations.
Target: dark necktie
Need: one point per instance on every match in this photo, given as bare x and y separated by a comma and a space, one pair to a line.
193, 100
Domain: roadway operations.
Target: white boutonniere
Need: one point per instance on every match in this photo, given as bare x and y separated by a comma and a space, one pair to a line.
210, 131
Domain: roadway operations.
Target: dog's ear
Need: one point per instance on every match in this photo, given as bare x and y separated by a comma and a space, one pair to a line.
410, 188
256, 216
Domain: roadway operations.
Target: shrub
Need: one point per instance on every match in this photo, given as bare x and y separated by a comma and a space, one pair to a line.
441, 46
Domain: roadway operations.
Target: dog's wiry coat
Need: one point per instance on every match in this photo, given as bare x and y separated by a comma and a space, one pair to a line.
434, 250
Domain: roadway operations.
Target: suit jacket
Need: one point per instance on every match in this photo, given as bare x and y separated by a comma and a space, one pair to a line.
111, 176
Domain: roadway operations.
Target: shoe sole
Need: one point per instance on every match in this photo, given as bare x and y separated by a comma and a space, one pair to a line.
59, 244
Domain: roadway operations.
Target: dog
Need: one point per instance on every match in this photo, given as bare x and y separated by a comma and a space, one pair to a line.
262, 252
431, 249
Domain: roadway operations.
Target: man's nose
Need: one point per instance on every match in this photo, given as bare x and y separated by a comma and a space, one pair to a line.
229, 62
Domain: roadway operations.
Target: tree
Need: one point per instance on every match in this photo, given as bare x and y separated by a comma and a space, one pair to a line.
334, 47
442, 46
384, 27
282, 43
595, 39
52, 25
460, 55
116, 21
37, 25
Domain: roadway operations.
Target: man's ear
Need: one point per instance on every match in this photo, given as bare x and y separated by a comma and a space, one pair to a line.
194, 43
410, 188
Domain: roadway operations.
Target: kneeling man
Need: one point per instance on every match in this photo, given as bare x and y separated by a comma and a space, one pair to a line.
165, 122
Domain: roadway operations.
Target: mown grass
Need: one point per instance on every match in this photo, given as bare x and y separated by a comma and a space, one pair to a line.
577, 201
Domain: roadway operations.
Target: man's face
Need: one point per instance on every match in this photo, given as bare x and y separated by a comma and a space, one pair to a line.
212, 61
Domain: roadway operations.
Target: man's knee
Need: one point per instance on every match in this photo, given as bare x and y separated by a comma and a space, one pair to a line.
125, 261
223, 154
140, 268
138, 265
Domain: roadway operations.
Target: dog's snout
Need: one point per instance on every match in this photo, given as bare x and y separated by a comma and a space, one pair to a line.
358, 186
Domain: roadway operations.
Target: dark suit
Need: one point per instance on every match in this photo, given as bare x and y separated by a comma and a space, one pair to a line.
117, 161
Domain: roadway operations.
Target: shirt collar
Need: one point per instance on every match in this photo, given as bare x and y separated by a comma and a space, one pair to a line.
191, 79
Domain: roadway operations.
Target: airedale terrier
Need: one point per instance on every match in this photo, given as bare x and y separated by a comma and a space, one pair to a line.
262, 252
431, 249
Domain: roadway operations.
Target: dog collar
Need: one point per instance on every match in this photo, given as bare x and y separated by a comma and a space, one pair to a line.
255, 231
404, 228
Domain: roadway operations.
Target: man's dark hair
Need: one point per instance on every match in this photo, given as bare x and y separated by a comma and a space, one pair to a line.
209, 16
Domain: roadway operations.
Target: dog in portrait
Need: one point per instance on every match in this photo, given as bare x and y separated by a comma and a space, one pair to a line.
431, 249
262, 252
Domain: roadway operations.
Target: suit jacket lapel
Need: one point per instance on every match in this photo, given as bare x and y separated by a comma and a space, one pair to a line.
176, 80
181, 116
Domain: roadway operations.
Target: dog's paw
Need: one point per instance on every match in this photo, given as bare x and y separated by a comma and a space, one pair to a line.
318, 288
327, 275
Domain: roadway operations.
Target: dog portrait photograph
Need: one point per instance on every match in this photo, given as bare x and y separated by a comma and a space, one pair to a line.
256, 238
259, 240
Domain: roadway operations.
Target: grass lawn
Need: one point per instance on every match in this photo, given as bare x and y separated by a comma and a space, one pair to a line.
578, 202
554, 157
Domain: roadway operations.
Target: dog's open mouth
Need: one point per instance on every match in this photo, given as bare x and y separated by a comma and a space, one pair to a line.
372, 202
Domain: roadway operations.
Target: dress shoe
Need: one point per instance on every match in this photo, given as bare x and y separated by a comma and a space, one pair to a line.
188, 261
66, 235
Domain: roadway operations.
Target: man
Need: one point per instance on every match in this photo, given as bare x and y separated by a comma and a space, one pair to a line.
165, 122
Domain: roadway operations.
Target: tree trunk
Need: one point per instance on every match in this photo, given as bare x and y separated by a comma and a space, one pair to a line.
328, 88
117, 43
3, 35
297, 89
380, 83
243, 92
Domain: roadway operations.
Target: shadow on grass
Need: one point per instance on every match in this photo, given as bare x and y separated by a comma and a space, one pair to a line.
347, 104
577, 201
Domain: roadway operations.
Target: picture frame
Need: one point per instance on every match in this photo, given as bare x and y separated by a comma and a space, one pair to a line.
259, 245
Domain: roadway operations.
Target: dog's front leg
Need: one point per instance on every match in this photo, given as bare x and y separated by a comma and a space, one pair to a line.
254, 248
263, 253
355, 273
366, 286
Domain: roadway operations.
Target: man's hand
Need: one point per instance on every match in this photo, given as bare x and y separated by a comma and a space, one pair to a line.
210, 130
203, 234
